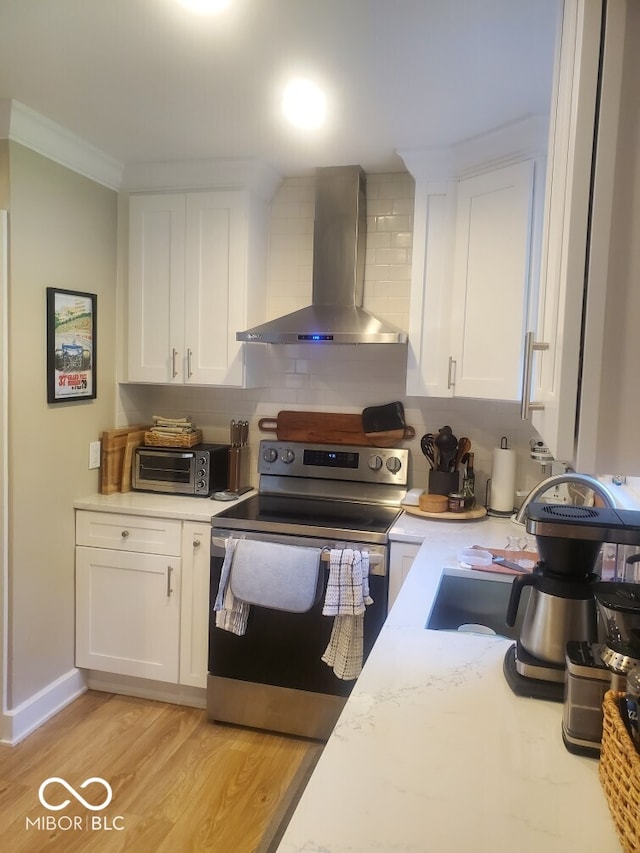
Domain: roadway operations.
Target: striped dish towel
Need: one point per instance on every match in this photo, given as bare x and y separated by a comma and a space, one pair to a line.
346, 598
231, 613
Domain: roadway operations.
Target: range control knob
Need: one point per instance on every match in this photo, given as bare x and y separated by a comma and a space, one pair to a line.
287, 456
394, 464
375, 462
270, 454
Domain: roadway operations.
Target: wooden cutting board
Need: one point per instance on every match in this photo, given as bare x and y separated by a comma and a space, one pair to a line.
134, 439
112, 456
329, 428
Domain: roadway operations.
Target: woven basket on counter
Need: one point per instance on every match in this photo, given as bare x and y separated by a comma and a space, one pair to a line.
185, 439
619, 772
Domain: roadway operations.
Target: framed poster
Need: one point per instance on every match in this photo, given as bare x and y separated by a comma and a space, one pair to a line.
71, 345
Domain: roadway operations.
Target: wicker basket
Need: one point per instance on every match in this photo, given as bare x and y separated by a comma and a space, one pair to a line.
185, 439
619, 772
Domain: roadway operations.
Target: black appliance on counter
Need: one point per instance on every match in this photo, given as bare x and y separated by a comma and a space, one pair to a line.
310, 496
562, 605
594, 668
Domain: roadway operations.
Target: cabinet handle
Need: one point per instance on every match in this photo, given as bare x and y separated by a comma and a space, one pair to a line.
451, 378
196, 543
124, 534
189, 364
169, 590
527, 405
174, 353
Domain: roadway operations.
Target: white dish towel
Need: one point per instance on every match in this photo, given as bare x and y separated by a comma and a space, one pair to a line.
231, 613
346, 599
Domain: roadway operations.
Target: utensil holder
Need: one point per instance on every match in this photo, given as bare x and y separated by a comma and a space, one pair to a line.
443, 482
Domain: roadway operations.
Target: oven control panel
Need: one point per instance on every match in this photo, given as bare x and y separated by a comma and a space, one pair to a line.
334, 462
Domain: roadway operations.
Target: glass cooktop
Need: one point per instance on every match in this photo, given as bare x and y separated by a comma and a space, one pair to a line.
309, 517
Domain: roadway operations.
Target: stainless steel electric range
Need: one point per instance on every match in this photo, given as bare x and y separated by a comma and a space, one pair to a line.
310, 496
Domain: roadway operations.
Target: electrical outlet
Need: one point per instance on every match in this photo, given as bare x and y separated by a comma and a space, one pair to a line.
94, 454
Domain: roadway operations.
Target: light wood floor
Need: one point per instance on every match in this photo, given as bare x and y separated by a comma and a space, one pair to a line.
180, 784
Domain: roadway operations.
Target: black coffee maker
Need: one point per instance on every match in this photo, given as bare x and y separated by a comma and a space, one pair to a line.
561, 605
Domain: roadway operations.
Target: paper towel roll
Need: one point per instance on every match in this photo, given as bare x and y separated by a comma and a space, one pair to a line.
503, 480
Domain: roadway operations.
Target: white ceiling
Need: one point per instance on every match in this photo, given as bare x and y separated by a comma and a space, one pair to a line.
145, 80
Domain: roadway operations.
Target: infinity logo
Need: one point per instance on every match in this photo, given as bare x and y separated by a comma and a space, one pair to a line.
75, 794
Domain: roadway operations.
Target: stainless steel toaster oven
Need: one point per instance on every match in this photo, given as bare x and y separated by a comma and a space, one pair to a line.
199, 471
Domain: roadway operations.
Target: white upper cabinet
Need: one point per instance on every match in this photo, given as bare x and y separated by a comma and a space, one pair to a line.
197, 275
491, 282
557, 350
477, 229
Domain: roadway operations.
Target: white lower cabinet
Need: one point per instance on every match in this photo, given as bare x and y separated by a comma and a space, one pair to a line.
128, 613
401, 559
142, 597
194, 624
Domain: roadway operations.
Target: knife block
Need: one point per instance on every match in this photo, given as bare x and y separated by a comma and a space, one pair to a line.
239, 473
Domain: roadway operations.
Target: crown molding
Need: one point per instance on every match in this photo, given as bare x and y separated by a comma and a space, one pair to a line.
21, 124
230, 174
525, 138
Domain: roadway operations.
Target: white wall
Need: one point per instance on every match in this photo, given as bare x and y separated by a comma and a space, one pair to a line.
62, 231
341, 378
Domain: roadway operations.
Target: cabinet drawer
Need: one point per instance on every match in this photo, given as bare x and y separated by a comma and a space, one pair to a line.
129, 532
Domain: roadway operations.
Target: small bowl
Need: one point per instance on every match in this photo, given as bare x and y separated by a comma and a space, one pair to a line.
475, 557
473, 628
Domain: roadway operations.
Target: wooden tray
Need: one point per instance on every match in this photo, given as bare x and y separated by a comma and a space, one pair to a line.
469, 515
329, 428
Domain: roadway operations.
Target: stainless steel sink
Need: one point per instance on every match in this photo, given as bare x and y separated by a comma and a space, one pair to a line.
463, 600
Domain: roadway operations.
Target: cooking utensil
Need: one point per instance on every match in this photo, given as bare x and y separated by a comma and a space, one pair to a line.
508, 564
464, 446
447, 444
383, 418
428, 449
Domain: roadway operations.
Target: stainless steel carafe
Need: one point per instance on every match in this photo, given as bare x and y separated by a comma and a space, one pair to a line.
557, 611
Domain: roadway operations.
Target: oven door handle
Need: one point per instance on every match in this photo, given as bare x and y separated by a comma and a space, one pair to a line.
377, 562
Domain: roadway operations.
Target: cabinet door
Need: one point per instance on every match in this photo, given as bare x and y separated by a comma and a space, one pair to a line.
567, 209
429, 328
401, 559
156, 350
216, 257
128, 613
194, 622
491, 281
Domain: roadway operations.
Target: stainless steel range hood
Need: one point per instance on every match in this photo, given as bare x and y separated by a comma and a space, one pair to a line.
336, 315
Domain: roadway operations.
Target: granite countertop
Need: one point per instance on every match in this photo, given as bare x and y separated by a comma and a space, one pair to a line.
433, 752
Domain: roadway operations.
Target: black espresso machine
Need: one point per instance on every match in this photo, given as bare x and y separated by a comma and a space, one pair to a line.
561, 606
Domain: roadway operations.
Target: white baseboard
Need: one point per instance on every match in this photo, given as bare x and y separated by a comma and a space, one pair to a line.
17, 723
